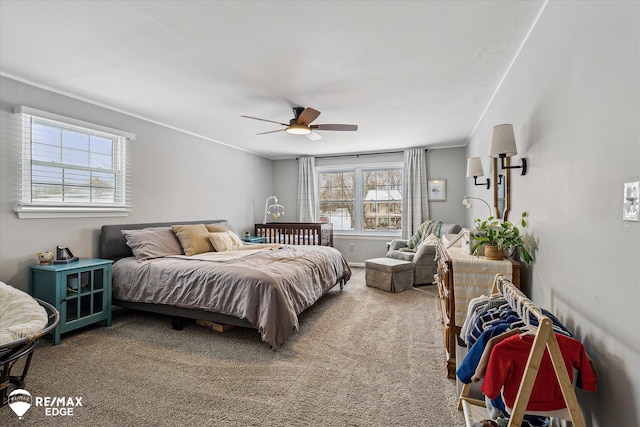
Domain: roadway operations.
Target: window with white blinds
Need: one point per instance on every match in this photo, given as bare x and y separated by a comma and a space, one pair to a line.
72, 168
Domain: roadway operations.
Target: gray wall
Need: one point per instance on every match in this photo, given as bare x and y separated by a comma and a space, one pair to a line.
175, 177
573, 96
448, 163
451, 164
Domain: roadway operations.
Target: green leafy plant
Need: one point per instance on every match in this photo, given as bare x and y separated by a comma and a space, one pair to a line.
503, 234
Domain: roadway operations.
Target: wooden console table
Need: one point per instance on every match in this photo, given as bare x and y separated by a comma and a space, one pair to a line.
449, 322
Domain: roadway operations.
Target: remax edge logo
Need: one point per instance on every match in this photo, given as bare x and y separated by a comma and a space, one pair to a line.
20, 401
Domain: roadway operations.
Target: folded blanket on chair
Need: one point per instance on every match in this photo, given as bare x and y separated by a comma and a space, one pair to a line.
425, 229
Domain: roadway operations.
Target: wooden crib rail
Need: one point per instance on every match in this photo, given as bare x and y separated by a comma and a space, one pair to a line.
296, 233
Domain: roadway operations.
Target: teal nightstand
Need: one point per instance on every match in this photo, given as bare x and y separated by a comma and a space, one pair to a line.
80, 291
254, 239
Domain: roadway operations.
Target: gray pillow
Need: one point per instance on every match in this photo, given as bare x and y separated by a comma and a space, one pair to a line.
153, 242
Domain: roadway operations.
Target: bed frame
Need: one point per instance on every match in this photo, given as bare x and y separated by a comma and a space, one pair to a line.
113, 245
296, 233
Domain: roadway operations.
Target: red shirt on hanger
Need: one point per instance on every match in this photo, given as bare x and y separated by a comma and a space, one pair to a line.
508, 360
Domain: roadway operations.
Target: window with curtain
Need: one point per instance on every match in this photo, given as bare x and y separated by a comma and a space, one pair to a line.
382, 199
337, 197
71, 167
361, 199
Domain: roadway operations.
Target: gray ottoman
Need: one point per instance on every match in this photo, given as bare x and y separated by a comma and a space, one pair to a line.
388, 274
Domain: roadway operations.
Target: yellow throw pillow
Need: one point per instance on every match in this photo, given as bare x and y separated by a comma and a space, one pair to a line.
216, 228
193, 238
225, 241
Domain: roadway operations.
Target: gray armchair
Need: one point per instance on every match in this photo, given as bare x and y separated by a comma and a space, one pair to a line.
425, 265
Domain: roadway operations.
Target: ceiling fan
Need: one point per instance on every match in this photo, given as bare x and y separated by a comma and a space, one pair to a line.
301, 124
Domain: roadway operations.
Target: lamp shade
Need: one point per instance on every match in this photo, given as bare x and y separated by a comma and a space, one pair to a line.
474, 167
503, 141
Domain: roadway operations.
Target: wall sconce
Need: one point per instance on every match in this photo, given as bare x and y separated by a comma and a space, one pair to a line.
274, 210
503, 144
474, 169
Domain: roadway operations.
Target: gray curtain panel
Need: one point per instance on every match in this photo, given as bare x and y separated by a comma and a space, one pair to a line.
307, 190
415, 207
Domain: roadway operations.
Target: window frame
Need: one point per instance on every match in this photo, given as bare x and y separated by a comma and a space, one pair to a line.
358, 170
26, 207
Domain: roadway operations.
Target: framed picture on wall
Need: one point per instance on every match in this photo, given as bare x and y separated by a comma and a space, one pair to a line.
437, 190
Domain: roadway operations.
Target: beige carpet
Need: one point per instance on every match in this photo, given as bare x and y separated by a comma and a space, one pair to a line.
362, 357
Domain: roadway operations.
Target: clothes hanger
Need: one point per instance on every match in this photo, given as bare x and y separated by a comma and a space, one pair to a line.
529, 329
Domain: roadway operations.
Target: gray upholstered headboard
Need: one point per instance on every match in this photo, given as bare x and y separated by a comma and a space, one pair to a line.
113, 244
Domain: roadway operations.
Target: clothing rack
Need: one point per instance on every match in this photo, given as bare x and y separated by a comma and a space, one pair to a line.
544, 338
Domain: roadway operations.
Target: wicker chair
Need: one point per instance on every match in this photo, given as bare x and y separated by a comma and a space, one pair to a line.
22, 349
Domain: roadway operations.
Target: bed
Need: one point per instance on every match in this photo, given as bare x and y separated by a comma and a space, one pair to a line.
264, 287
296, 233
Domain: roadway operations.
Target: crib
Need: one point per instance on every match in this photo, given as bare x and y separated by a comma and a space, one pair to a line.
296, 233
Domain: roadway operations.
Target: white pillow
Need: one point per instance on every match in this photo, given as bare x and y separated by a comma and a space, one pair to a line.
225, 241
430, 240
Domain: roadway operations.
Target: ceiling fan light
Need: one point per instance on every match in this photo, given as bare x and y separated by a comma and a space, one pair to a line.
298, 130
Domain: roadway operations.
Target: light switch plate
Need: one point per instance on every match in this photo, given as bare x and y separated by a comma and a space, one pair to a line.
631, 201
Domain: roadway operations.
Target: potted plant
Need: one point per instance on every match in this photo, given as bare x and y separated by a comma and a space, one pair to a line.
500, 236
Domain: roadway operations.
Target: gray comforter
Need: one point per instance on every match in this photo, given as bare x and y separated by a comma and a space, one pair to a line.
269, 289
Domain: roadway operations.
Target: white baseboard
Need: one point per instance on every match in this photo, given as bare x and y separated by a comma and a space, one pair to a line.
356, 264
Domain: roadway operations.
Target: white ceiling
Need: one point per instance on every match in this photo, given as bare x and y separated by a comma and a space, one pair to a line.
409, 73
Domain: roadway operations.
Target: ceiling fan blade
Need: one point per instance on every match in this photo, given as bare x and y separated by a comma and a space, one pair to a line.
334, 127
265, 120
307, 116
314, 136
271, 131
